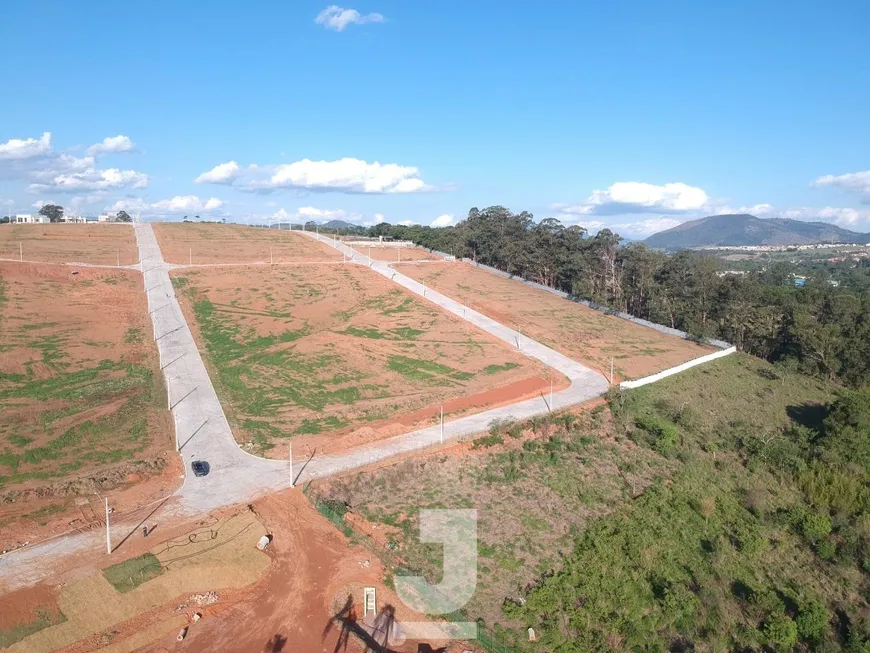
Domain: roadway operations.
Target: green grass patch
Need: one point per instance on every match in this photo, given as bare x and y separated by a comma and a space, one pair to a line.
497, 369
44, 619
130, 574
417, 369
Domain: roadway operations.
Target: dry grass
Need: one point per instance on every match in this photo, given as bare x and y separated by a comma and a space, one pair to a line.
223, 555
579, 332
185, 242
103, 244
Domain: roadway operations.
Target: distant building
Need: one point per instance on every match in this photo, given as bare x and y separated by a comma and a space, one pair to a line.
77, 219
29, 218
107, 217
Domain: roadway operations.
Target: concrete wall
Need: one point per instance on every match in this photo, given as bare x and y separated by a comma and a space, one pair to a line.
676, 370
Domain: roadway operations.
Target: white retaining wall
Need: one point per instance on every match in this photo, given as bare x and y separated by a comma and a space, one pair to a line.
676, 370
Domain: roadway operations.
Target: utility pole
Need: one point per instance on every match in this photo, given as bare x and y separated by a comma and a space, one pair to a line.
611, 371
20, 252
551, 395
442, 423
190, 256
108, 534
292, 482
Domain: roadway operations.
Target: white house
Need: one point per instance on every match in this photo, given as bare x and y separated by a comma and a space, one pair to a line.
28, 218
107, 217
78, 219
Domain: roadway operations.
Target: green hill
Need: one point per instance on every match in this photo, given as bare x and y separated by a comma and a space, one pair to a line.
743, 229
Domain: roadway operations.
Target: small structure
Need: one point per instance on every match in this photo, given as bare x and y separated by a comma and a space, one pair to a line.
29, 218
264, 542
370, 603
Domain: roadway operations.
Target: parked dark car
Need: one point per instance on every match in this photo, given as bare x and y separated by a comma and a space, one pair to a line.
199, 467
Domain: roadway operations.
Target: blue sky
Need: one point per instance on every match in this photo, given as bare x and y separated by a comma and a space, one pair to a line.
633, 115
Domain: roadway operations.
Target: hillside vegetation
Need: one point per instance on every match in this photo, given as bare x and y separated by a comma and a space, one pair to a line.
753, 531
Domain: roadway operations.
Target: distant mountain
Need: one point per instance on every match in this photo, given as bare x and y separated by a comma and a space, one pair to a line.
340, 224
743, 229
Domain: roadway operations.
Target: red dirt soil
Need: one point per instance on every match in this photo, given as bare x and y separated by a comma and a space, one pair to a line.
397, 254
100, 244
313, 572
582, 333
58, 323
186, 242
353, 333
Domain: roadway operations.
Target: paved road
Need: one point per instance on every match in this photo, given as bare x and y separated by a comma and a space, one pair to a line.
203, 432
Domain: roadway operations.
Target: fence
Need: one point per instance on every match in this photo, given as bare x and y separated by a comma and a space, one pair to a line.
490, 639
721, 344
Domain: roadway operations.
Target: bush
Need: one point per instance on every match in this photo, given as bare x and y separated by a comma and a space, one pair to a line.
826, 549
812, 621
487, 441
780, 632
815, 526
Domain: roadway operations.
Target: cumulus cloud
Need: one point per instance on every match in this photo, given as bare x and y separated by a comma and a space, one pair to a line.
844, 217
337, 18
16, 149
314, 214
344, 175
92, 179
446, 220
855, 182
111, 144
180, 204
33, 160
220, 174
627, 197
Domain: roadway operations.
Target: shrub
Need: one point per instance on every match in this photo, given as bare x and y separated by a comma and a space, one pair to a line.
812, 620
780, 632
815, 526
826, 549
487, 441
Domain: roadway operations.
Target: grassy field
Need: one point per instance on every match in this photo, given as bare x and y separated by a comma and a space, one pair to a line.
186, 242
744, 539
584, 334
103, 244
79, 384
330, 349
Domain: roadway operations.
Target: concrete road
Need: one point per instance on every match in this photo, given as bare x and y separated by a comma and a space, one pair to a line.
203, 432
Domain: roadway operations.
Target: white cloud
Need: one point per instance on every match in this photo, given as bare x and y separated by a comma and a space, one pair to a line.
856, 182
313, 214
379, 218
406, 223
19, 149
49, 172
337, 18
38, 204
220, 174
180, 204
111, 144
446, 220
627, 197
92, 179
345, 175
843, 217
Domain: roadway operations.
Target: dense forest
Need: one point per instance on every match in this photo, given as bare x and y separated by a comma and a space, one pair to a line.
820, 328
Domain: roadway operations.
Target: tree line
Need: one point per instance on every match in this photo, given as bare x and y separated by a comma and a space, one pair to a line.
820, 328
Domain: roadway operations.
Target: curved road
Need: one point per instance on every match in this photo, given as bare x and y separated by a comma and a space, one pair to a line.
203, 432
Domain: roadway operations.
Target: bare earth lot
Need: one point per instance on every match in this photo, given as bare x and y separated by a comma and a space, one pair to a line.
101, 244
334, 355
83, 406
397, 254
582, 333
181, 242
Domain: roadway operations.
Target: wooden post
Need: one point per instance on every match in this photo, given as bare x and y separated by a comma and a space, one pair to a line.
190, 256
20, 252
292, 482
611, 371
551, 395
442, 423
